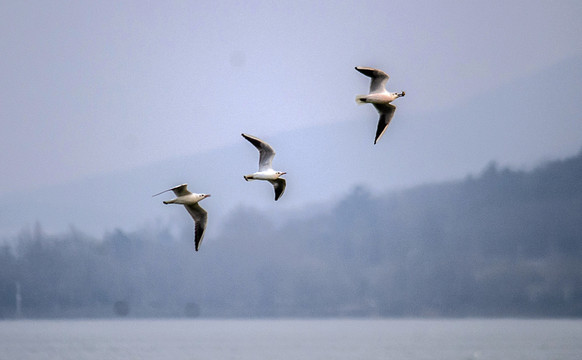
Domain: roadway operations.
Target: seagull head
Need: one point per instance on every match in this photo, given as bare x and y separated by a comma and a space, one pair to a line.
204, 196
280, 173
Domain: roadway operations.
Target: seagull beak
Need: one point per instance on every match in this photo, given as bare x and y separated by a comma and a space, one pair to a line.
207, 195
283, 173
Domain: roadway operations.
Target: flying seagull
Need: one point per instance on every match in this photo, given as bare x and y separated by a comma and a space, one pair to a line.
266, 172
379, 97
190, 202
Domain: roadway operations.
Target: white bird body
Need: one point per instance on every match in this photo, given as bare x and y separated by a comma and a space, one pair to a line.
269, 174
190, 202
379, 97
266, 172
189, 199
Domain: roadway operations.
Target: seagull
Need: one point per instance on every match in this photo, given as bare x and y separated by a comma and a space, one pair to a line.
190, 202
266, 172
379, 97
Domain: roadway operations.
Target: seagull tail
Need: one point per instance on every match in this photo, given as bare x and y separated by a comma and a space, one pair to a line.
361, 99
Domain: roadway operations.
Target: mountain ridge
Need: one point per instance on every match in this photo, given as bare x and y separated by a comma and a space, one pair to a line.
504, 243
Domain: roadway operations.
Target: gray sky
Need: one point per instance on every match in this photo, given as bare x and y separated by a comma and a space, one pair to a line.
92, 87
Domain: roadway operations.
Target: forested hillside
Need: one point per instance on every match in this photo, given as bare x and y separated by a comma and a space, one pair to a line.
502, 243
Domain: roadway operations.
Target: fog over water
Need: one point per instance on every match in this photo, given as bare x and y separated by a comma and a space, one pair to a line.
503, 243
292, 339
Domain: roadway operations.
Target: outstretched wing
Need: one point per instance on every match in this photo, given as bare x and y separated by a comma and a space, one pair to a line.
181, 190
266, 152
200, 217
178, 190
386, 115
379, 78
279, 186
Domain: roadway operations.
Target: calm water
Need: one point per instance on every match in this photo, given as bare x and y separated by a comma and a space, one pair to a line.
291, 339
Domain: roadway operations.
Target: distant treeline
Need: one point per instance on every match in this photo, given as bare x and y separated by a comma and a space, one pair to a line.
504, 243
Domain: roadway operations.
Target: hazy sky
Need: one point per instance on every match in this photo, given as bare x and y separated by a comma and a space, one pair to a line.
94, 86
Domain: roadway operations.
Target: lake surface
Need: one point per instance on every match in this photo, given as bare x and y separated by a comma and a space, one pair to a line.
291, 339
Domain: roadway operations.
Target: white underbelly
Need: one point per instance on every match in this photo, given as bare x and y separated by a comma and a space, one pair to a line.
270, 175
382, 98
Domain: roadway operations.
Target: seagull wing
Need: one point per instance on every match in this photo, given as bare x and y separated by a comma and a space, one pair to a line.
266, 152
279, 186
200, 217
386, 114
179, 190
379, 78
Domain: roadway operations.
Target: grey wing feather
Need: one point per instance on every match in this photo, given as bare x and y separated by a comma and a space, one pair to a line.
181, 190
279, 186
386, 115
200, 217
379, 78
266, 152
178, 190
